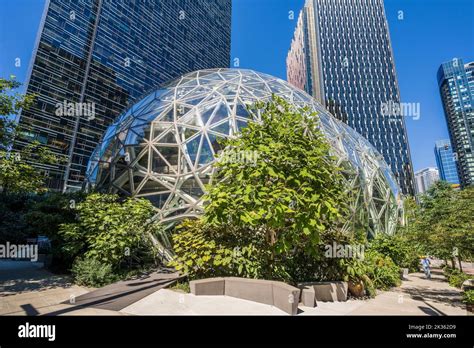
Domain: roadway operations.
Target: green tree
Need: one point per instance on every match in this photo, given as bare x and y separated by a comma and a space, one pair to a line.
292, 191
285, 197
17, 175
445, 226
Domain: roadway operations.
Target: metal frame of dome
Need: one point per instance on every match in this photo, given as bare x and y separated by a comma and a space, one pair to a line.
163, 147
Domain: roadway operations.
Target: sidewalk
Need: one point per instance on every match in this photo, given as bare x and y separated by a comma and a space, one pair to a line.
417, 296
28, 289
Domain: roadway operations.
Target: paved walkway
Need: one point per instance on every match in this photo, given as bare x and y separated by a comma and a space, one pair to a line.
27, 289
416, 296
171, 302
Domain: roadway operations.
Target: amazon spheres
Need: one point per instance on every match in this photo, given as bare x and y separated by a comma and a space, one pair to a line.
163, 148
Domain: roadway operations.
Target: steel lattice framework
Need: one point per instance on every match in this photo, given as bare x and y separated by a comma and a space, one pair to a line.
163, 148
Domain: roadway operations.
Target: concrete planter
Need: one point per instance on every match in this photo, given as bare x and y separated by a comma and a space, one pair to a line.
209, 286
308, 296
324, 291
278, 294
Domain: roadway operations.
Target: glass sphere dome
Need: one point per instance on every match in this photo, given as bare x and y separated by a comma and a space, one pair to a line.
163, 147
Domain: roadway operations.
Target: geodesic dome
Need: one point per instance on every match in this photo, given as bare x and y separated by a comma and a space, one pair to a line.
163, 147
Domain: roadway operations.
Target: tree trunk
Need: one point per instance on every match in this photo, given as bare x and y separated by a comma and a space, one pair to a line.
460, 263
452, 263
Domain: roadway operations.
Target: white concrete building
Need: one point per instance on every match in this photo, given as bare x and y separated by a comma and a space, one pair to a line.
424, 178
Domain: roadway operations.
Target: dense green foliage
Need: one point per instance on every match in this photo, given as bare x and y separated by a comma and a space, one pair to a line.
381, 270
293, 191
275, 217
468, 297
261, 216
92, 272
442, 224
17, 175
109, 230
201, 252
454, 276
403, 252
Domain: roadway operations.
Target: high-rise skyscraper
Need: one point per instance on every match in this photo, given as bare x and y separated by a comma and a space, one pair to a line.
445, 162
425, 178
456, 85
93, 58
341, 54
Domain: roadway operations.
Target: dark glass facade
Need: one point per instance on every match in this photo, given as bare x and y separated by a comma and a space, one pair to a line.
101, 56
341, 54
456, 84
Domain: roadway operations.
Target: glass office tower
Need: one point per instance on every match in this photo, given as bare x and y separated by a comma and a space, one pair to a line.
341, 54
445, 162
456, 85
93, 58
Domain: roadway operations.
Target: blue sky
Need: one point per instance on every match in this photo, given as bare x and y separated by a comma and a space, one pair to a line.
431, 32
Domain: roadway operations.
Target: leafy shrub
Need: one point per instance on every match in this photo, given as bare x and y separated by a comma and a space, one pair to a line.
403, 252
468, 297
455, 277
304, 267
369, 286
383, 272
448, 271
112, 231
200, 256
92, 272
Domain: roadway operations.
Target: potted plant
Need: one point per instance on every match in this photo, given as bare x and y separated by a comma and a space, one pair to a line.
355, 273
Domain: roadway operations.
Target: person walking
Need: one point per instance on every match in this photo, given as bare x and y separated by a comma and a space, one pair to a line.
426, 263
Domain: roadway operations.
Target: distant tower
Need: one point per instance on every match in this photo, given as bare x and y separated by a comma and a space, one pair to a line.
425, 178
446, 162
456, 85
94, 58
341, 55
